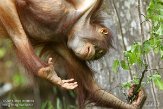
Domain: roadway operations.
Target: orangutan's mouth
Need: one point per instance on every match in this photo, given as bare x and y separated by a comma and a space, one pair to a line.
87, 53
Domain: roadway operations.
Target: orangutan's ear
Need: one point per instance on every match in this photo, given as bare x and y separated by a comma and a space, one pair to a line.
104, 31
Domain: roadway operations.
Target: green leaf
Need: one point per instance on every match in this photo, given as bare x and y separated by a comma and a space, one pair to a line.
152, 42
126, 85
157, 50
157, 81
161, 51
147, 45
154, 11
132, 58
136, 80
160, 30
136, 48
115, 66
124, 65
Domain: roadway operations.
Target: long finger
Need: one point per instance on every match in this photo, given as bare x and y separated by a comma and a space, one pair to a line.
67, 81
70, 84
71, 87
50, 61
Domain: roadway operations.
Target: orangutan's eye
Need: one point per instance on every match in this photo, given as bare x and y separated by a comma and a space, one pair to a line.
104, 31
101, 52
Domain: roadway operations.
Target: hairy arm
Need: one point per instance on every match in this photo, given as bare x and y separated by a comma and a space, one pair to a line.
89, 90
12, 24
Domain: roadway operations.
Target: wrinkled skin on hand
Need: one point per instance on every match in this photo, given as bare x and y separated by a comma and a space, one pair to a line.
139, 98
50, 74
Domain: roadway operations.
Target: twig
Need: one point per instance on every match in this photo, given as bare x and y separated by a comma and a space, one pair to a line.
154, 69
130, 99
141, 79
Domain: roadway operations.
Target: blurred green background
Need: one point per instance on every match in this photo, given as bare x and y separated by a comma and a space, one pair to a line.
17, 84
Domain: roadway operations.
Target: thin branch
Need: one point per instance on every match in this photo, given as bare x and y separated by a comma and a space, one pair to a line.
141, 79
135, 92
146, 19
154, 69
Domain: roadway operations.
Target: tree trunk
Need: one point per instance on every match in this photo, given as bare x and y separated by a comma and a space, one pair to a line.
125, 19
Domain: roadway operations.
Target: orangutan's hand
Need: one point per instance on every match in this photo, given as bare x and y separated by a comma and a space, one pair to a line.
49, 74
140, 97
